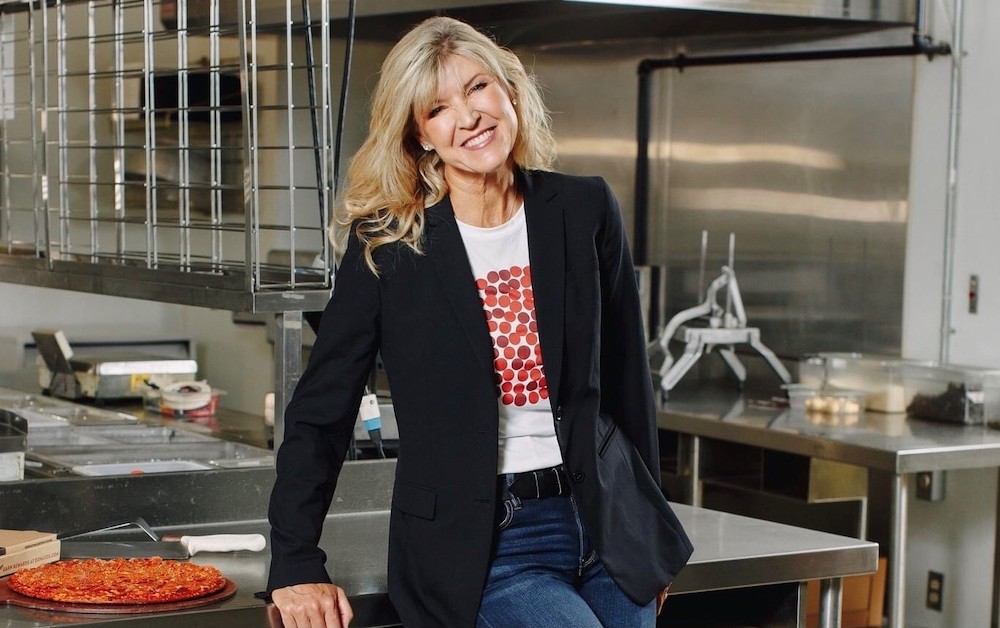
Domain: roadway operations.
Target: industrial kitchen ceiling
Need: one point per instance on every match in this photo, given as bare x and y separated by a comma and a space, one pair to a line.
520, 22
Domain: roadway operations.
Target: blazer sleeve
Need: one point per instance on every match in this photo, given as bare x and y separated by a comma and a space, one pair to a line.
626, 385
319, 422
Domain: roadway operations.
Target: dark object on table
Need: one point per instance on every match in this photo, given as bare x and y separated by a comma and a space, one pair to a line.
949, 406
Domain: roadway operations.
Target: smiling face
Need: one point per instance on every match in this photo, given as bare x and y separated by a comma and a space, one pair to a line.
471, 123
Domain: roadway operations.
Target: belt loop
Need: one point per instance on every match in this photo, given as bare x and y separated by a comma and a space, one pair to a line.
558, 480
538, 488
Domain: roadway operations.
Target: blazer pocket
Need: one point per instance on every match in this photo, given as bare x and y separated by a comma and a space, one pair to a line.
605, 439
414, 500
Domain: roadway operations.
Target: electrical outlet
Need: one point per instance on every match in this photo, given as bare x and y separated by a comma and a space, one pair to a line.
935, 590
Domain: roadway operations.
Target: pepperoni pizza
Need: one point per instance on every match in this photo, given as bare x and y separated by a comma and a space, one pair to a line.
118, 581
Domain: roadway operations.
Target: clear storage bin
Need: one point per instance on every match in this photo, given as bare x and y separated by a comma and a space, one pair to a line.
952, 393
809, 398
878, 376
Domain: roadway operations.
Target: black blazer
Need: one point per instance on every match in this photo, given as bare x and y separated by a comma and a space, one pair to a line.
424, 314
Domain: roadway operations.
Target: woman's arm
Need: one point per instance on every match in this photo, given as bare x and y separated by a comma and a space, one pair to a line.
626, 386
319, 422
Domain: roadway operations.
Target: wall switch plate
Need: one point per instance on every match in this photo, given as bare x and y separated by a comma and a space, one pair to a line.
973, 294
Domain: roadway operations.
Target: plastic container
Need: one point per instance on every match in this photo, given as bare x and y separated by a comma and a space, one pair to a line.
878, 376
812, 370
183, 400
952, 393
825, 400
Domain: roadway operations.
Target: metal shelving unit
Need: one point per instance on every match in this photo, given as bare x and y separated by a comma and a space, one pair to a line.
171, 147
165, 149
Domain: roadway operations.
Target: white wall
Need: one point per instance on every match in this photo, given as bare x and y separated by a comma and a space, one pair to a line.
956, 536
234, 358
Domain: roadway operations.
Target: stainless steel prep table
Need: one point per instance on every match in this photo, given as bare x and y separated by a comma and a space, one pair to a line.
731, 552
884, 442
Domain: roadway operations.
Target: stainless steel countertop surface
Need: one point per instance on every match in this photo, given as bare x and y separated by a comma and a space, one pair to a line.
730, 551
891, 442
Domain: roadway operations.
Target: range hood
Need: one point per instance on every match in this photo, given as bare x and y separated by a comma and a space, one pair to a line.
874, 10
516, 22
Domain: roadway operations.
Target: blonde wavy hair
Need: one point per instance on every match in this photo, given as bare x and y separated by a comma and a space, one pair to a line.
391, 179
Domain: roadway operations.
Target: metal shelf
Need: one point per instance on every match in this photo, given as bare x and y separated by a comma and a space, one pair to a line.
161, 149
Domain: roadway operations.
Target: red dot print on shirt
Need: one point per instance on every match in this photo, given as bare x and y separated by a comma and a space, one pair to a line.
508, 302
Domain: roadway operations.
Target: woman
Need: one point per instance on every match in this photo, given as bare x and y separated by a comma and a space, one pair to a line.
503, 300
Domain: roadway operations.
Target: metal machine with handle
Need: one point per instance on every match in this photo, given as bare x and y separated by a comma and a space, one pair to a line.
724, 327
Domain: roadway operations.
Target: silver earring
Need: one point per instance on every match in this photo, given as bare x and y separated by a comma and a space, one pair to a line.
426, 147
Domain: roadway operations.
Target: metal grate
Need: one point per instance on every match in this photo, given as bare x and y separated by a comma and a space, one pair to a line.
161, 149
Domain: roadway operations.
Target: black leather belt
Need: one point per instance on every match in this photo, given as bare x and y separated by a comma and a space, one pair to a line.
552, 482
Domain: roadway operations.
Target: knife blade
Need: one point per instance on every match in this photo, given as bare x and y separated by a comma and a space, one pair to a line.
169, 550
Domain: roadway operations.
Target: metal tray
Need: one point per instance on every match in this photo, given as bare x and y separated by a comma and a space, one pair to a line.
82, 415
217, 453
145, 435
65, 437
19, 400
140, 468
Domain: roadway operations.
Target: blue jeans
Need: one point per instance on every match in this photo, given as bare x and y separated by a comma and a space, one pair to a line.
544, 573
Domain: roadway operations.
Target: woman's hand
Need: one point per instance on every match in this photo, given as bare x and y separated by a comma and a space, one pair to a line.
661, 598
317, 605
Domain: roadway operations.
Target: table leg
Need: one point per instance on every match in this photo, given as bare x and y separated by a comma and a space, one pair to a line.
287, 366
995, 608
897, 565
690, 461
830, 599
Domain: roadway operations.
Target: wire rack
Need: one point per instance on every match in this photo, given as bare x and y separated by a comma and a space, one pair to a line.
167, 150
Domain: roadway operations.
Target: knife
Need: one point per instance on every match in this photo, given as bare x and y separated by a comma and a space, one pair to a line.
169, 547
171, 550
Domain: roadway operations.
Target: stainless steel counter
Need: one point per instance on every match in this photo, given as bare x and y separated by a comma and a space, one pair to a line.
731, 552
890, 442
887, 442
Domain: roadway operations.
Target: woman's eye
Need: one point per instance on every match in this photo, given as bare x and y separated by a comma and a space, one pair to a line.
433, 112
478, 86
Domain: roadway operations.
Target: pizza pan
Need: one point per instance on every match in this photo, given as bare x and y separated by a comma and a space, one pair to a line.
13, 598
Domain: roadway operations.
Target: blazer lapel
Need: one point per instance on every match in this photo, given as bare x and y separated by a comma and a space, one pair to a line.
445, 247
547, 251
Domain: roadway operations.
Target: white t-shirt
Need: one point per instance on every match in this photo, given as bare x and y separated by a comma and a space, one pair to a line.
499, 259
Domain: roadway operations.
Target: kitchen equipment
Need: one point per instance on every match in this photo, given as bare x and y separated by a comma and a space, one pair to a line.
121, 549
106, 376
13, 443
79, 416
176, 547
722, 329
141, 467
125, 458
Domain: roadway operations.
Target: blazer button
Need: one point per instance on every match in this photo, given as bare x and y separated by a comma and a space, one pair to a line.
558, 413
578, 476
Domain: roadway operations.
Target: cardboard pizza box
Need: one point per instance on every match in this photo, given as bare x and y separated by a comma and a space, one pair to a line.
40, 554
16, 540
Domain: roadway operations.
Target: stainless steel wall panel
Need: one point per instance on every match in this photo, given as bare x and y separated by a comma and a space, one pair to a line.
807, 163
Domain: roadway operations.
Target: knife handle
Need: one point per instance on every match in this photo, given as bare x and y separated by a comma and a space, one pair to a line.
223, 543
